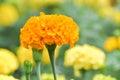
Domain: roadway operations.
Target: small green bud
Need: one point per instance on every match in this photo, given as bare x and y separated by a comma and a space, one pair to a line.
27, 67
37, 54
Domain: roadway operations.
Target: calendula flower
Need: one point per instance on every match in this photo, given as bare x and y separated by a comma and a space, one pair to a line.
8, 14
112, 43
103, 77
8, 61
24, 54
46, 76
84, 57
49, 29
6, 77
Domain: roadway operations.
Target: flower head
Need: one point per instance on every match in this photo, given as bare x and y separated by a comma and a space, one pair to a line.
6, 77
8, 61
117, 17
49, 29
103, 77
84, 57
112, 43
106, 12
95, 4
8, 14
50, 77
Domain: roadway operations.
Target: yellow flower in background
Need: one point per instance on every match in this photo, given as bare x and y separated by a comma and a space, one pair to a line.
104, 3
45, 55
94, 3
8, 61
42, 3
6, 77
36, 4
103, 77
49, 29
106, 12
84, 57
26, 54
110, 12
71, 55
46, 76
8, 14
111, 43
116, 17
90, 3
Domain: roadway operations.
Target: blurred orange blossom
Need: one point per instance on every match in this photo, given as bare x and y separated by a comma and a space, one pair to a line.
112, 43
49, 29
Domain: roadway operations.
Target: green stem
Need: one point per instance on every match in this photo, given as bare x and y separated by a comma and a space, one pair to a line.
27, 76
53, 64
102, 69
83, 74
27, 69
51, 49
38, 70
37, 57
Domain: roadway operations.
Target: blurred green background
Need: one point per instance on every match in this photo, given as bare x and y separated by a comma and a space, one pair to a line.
96, 19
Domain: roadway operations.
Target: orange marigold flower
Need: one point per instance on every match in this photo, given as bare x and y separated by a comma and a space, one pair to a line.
111, 44
49, 29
